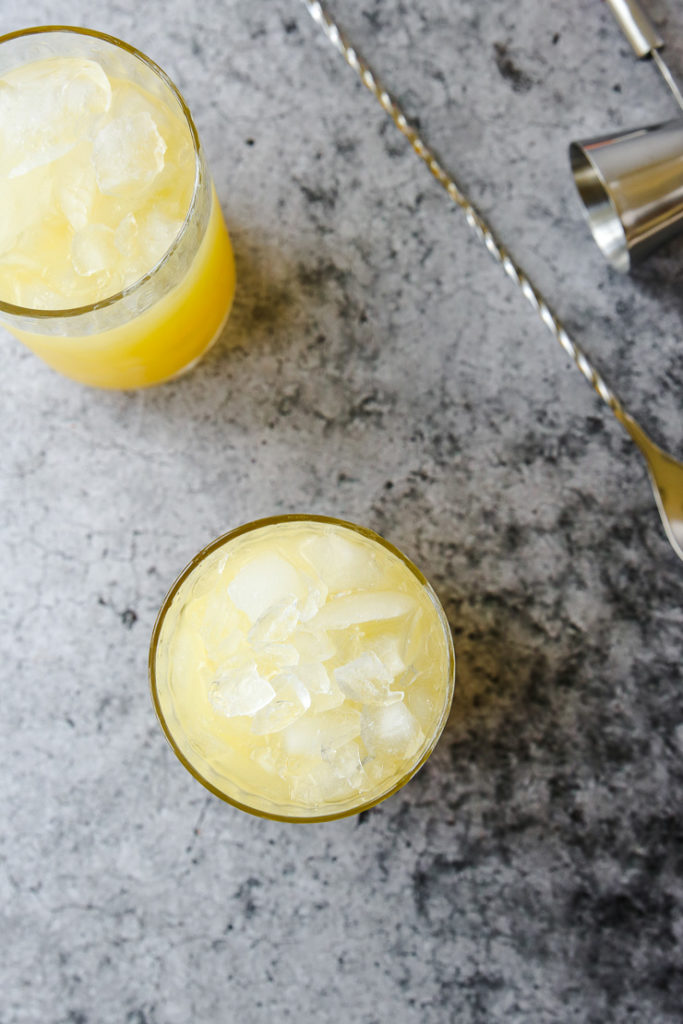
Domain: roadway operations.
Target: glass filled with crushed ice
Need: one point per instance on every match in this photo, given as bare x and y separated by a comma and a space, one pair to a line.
115, 264
302, 668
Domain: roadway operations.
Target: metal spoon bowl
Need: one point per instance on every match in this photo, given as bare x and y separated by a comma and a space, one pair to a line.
666, 477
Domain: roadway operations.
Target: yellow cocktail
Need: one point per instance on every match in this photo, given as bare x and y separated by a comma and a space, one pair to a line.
115, 263
302, 668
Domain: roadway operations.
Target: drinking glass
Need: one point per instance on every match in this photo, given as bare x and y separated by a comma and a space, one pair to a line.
161, 323
228, 756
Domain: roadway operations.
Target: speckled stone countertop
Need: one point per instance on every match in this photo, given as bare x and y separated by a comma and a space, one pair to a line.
378, 366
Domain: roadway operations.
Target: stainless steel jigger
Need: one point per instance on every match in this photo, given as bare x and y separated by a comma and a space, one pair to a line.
631, 182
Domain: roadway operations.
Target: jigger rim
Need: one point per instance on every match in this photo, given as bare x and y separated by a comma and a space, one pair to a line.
599, 208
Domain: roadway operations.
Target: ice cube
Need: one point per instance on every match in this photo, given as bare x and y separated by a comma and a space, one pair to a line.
332, 789
274, 657
345, 763
224, 650
337, 787
337, 728
39, 154
341, 563
87, 90
367, 680
316, 595
25, 283
36, 295
93, 250
352, 609
319, 736
391, 731
126, 236
156, 234
422, 704
302, 738
327, 701
23, 204
319, 787
219, 618
314, 645
415, 637
315, 677
128, 154
46, 108
291, 700
224, 647
262, 583
305, 790
388, 650
265, 758
241, 691
75, 193
276, 624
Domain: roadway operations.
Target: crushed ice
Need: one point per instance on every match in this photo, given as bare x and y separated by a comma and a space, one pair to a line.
241, 691
324, 675
128, 154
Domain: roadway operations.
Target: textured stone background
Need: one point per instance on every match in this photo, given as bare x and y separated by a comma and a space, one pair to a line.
378, 366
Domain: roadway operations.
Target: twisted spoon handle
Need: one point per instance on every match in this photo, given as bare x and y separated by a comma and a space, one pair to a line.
474, 218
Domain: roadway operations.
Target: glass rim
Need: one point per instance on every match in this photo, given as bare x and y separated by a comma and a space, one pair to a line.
189, 569
55, 315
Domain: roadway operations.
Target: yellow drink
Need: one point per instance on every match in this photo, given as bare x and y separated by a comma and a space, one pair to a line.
164, 339
302, 668
115, 263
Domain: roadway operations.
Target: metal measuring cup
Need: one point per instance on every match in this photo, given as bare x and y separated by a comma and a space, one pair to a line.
631, 182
